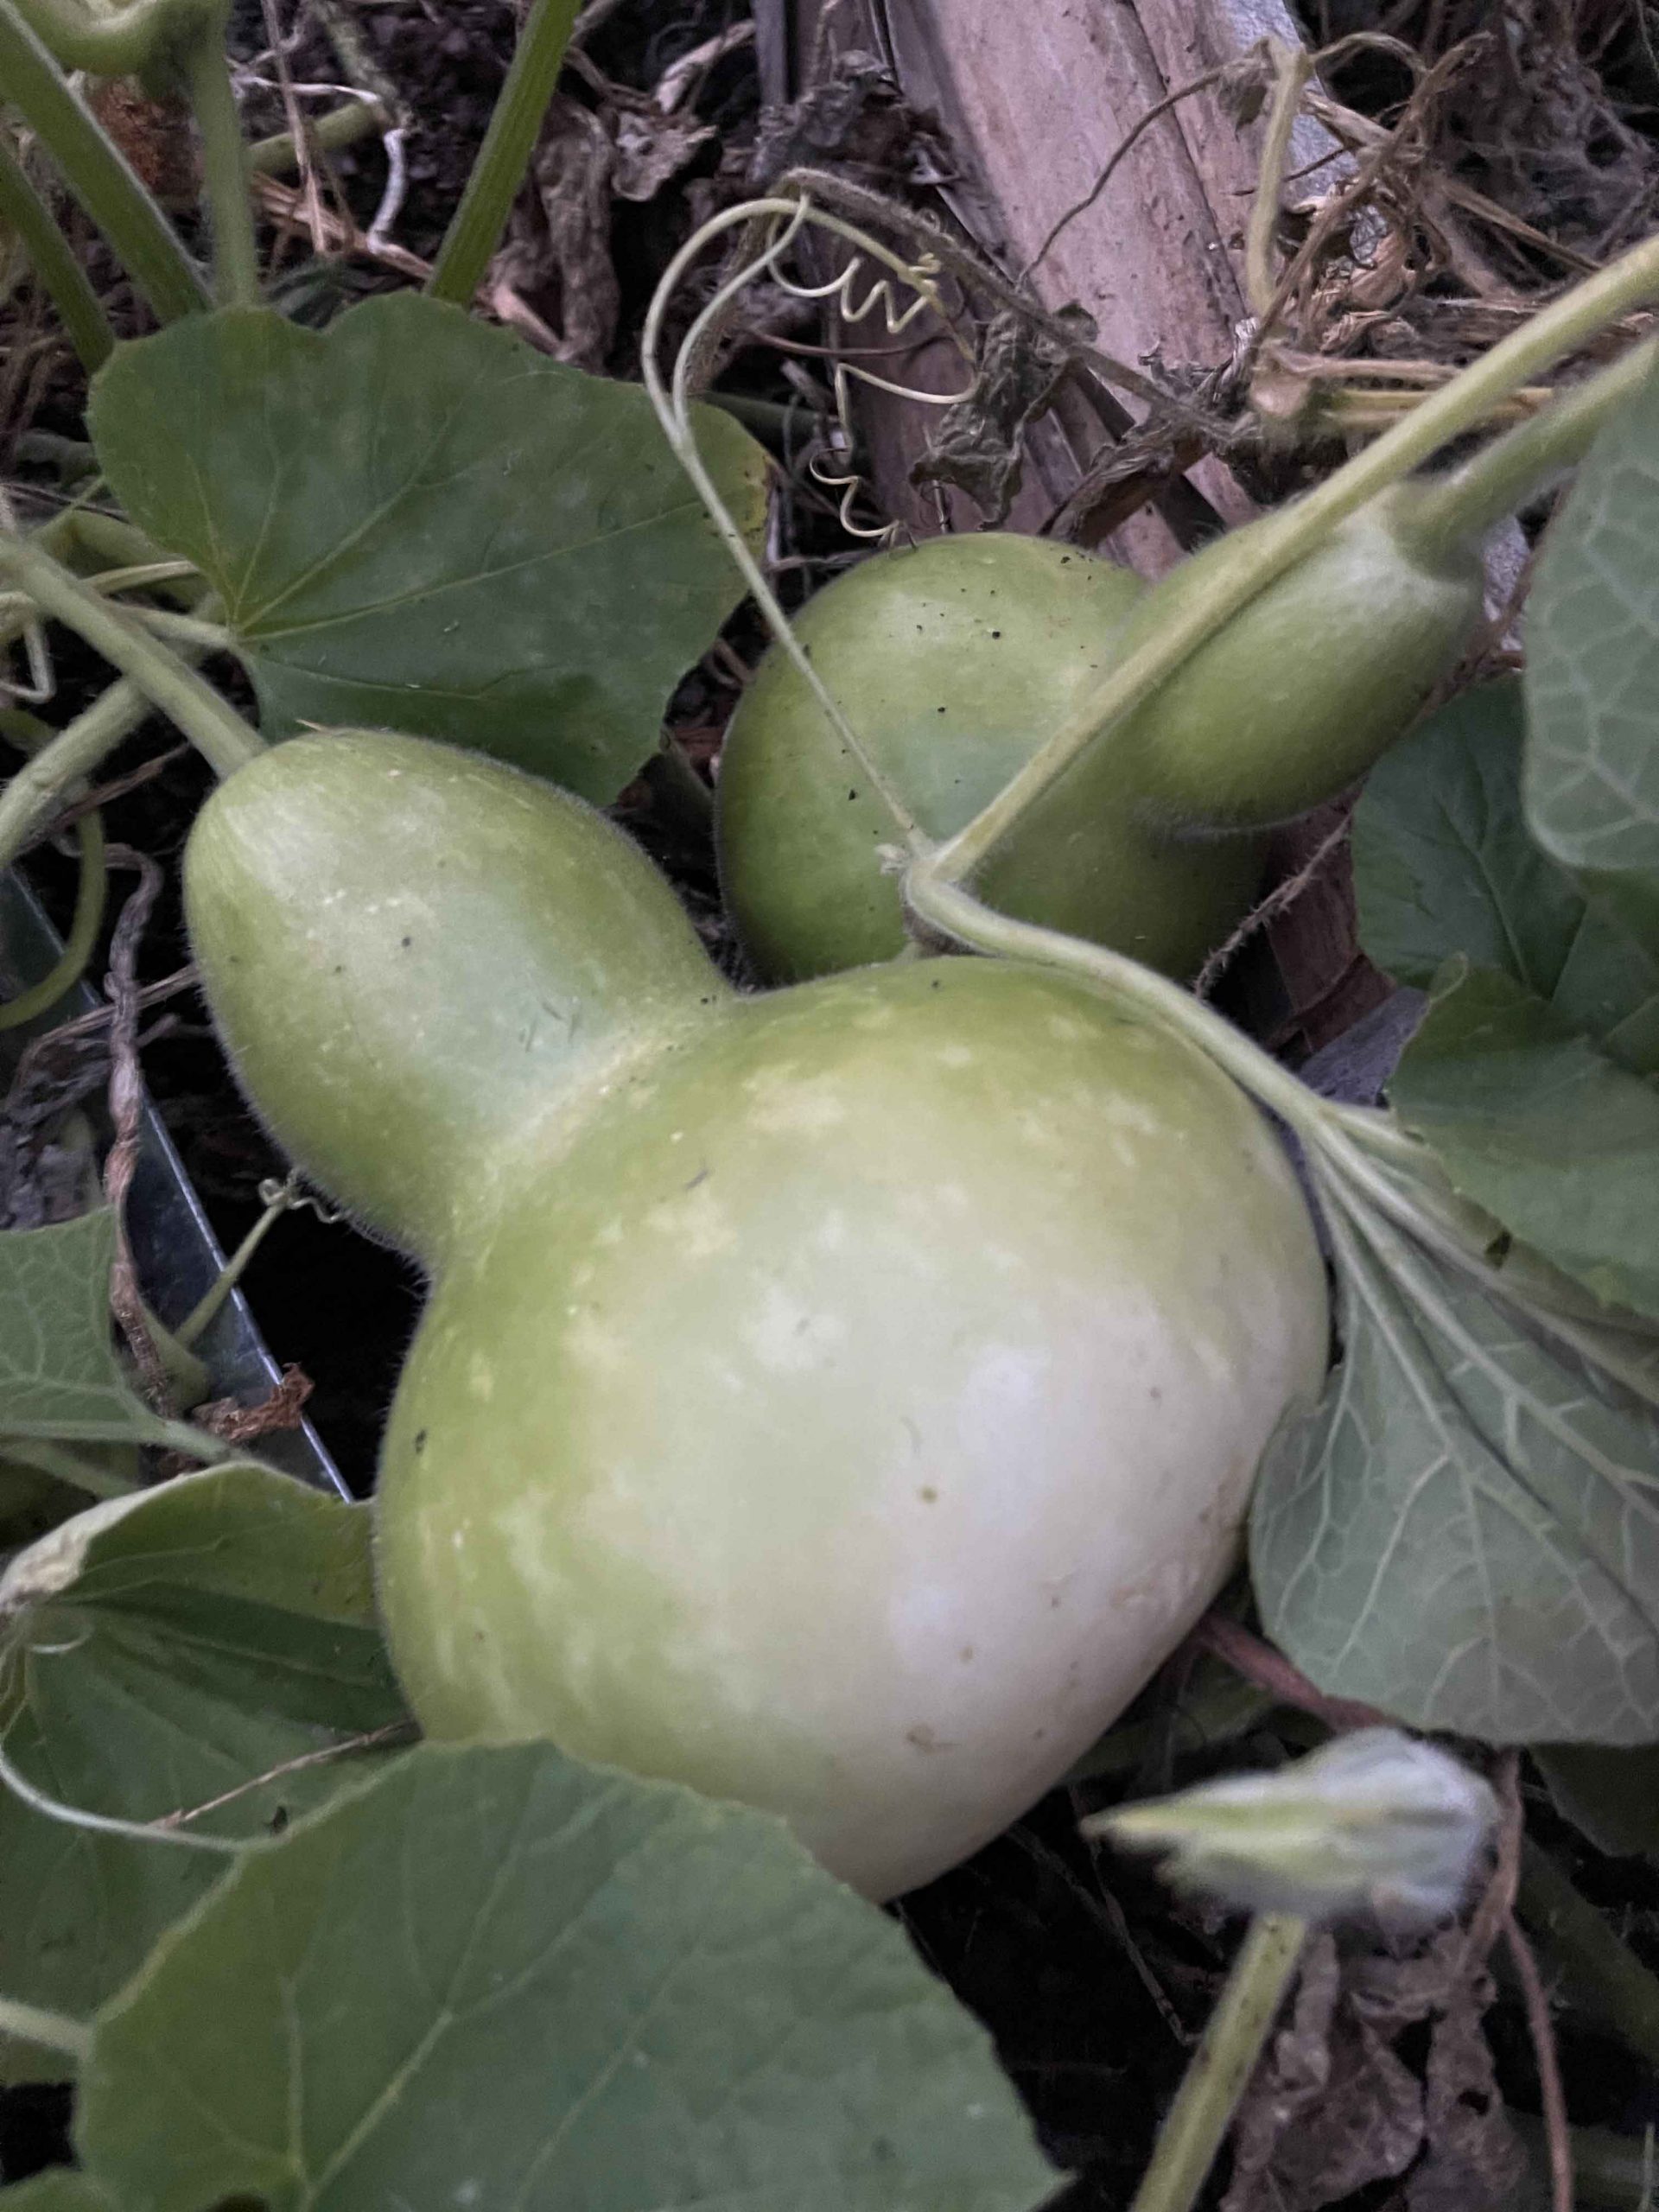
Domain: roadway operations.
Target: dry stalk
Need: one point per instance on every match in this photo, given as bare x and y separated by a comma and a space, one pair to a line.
126, 1097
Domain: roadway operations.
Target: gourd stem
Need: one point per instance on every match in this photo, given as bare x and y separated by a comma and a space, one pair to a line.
170, 683
51, 2030
673, 407
90, 896
188, 629
1504, 476
97, 176
114, 45
1197, 2123
34, 793
504, 157
1293, 534
61, 277
223, 170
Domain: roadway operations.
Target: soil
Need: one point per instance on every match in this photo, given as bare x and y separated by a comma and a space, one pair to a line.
1093, 1984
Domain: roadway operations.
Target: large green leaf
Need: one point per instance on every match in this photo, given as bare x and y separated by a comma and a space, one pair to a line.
1445, 864
1592, 672
497, 1978
416, 522
1535, 1125
1466, 1533
58, 1373
155, 1653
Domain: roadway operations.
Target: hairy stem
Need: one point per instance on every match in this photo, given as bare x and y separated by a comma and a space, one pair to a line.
1458, 406
1524, 461
224, 171
170, 683
53, 259
1197, 2123
202, 1314
956, 914
54, 2030
96, 173
504, 158
40, 787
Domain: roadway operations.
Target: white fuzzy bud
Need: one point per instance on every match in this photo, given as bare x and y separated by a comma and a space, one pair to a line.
1374, 1825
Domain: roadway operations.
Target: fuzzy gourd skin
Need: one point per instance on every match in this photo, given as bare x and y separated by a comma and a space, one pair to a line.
839, 1401
1150, 843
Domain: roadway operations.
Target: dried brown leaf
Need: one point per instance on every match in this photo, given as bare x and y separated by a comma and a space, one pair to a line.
557, 257
651, 149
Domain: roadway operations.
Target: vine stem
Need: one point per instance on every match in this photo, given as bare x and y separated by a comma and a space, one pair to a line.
202, 1314
75, 1816
1516, 467
956, 914
1291, 535
504, 157
1282, 540
223, 170
60, 274
28, 2023
1198, 2121
673, 405
33, 793
96, 173
212, 726
66, 971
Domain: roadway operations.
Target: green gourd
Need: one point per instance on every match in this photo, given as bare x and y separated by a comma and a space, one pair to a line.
1150, 841
839, 1401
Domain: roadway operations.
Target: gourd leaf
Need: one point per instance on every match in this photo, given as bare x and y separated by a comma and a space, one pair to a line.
1466, 1531
58, 1373
1534, 1124
1592, 777
495, 1976
416, 522
1445, 863
155, 1653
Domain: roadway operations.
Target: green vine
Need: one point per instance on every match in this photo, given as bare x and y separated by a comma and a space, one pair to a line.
504, 158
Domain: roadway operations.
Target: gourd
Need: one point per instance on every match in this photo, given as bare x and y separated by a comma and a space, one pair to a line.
839, 1401
1150, 842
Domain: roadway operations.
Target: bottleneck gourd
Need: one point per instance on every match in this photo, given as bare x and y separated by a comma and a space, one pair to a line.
839, 1401
955, 659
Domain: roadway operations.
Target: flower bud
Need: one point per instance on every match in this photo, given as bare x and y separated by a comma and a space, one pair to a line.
1374, 1824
